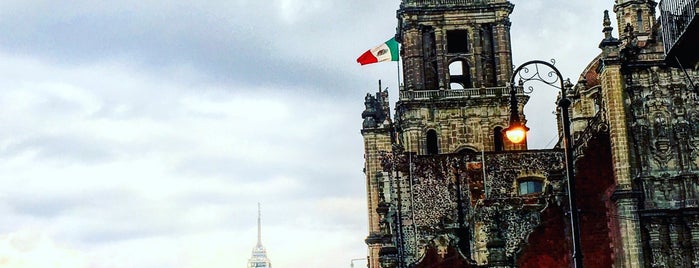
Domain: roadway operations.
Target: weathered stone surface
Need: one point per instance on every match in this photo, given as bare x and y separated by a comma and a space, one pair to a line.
443, 186
444, 203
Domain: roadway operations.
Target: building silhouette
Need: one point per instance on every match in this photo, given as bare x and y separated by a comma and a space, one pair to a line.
259, 257
445, 189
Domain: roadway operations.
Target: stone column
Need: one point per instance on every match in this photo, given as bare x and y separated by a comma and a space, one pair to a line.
503, 53
376, 142
656, 235
694, 232
676, 232
613, 94
412, 57
630, 253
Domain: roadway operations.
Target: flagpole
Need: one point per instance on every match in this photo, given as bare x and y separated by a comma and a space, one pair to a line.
398, 69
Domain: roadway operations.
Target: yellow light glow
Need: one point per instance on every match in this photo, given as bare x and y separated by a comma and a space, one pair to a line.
516, 134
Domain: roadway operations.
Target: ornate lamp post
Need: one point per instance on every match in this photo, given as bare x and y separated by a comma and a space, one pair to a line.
516, 132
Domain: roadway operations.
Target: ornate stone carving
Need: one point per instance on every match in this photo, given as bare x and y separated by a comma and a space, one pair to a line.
442, 204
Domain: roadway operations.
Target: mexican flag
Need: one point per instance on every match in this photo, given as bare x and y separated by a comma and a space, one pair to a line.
387, 51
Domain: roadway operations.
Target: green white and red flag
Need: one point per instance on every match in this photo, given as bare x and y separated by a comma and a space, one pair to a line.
387, 51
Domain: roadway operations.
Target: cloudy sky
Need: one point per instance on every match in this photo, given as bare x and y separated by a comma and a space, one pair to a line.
142, 133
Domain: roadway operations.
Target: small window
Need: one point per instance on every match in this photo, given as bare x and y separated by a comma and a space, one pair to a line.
530, 187
432, 143
457, 41
498, 143
639, 21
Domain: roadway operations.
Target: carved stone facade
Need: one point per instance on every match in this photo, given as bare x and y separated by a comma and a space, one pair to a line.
651, 112
446, 190
469, 210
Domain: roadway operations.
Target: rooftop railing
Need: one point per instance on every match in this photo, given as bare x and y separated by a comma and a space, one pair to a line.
418, 3
455, 93
676, 16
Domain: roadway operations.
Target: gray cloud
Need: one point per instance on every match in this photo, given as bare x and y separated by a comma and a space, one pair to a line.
63, 148
222, 40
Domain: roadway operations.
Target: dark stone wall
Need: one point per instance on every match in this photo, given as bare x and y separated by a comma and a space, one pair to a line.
549, 244
595, 184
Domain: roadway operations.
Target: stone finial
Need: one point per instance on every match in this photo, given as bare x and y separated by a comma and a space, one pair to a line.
370, 113
607, 25
609, 40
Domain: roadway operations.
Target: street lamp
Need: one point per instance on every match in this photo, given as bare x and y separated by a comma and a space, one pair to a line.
517, 131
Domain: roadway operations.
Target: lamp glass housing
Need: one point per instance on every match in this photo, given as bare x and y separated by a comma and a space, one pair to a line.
516, 133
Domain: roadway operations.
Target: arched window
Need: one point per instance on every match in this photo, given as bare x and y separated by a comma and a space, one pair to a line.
639, 20
498, 142
466, 151
460, 75
432, 142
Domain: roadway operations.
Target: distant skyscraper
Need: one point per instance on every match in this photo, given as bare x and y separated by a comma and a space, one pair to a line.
259, 253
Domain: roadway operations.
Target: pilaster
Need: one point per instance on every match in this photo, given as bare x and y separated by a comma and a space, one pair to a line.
376, 143
630, 253
613, 96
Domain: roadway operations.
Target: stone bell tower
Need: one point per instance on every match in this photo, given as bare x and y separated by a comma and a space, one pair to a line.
457, 62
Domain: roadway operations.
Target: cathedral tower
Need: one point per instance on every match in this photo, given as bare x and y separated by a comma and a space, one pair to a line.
457, 63
635, 18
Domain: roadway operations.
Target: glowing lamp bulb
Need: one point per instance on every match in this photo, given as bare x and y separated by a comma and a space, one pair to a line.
516, 134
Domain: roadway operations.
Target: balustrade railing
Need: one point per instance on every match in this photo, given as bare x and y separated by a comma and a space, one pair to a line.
455, 93
417, 3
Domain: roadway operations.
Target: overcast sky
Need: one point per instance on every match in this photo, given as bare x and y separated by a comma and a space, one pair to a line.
142, 133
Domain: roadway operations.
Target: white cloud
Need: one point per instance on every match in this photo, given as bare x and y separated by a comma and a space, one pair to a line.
34, 249
292, 10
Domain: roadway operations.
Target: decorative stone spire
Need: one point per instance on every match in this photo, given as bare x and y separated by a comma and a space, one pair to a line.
259, 253
607, 23
609, 40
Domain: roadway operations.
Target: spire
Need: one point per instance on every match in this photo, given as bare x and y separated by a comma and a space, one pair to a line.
607, 25
259, 257
259, 225
609, 40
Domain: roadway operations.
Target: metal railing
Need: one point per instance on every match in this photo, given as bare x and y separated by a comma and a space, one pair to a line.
454, 93
417, 3
676, 16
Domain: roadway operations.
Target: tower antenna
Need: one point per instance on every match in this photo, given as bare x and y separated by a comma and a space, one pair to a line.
259, 224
